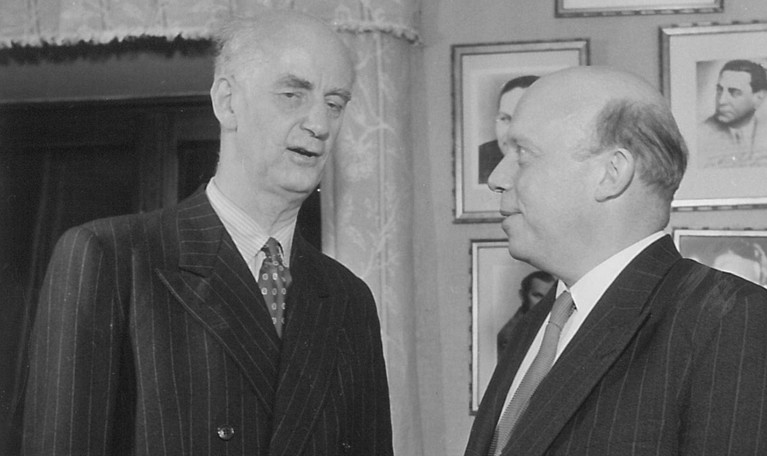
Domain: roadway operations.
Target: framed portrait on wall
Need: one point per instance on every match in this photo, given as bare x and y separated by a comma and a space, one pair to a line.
480, 72
495, 298
715, 79
586, 8
740, 252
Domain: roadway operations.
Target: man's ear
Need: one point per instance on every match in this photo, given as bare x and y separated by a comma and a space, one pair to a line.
619, 167
221, 95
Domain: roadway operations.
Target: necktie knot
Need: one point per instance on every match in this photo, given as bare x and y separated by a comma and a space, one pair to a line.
561, 310
273, 251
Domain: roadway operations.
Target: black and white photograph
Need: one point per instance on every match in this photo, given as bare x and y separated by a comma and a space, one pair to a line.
732, 127
714, 77
383, 227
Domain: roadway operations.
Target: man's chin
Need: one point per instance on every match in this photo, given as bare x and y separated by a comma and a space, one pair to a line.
724, 119
517, 253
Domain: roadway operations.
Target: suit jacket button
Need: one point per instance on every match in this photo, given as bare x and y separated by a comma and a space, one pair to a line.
346, 447
225, 432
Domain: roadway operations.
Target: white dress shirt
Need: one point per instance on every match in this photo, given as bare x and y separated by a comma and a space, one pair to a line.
248, 236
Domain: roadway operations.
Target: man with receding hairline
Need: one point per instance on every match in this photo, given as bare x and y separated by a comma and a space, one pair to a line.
635, 351
213, 327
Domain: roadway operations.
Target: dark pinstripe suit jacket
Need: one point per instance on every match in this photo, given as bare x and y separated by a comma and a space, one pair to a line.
672, 360
151, 338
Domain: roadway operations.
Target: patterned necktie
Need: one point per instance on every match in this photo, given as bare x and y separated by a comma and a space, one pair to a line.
274, 280
560, 312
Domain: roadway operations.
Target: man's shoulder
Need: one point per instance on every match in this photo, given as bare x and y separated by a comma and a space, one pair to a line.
142, 224
326, 262
335, 274
714, 291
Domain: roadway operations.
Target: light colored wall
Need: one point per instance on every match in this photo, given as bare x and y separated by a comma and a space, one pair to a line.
442, 247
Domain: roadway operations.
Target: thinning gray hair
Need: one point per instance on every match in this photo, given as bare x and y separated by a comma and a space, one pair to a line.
649, 131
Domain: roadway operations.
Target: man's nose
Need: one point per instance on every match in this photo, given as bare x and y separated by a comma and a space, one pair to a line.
317, 121
500, 179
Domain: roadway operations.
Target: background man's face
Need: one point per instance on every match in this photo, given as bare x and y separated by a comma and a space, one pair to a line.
735, 100
538, 289
506, 106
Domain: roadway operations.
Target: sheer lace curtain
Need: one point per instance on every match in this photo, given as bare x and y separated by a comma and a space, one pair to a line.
367, 195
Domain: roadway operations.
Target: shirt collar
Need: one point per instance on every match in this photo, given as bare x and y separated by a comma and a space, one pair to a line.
590, 288
247, 234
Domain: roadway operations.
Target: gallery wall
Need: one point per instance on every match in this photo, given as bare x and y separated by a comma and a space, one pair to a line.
442, 246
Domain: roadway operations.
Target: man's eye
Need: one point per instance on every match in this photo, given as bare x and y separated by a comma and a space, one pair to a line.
335, 107
523, 155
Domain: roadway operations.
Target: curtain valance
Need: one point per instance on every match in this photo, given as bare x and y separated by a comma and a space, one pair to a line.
64, 22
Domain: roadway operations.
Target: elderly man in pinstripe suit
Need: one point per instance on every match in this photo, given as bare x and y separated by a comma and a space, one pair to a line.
152, 336
645, 353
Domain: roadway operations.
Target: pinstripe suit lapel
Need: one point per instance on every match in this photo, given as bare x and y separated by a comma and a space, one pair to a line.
215, 285
602, 338
310, 347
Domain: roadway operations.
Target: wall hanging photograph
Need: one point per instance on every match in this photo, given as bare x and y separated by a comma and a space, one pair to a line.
586, 8
500, 287
740, 252
715, 79
487, 81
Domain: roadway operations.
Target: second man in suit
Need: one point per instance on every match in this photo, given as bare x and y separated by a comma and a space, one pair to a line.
643, 352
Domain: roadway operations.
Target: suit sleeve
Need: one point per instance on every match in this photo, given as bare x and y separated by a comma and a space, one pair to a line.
74, 352
728, 381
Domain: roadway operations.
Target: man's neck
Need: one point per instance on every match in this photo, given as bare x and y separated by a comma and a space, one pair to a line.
271, 212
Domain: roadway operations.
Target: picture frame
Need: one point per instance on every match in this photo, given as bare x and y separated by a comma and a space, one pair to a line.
495, 283
590, 8
738, 251
478, 73
720, 174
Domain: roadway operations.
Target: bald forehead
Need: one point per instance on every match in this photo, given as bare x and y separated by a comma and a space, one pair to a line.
597, 85
579, 93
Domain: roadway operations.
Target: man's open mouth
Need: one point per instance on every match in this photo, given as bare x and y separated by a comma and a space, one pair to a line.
304, 152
